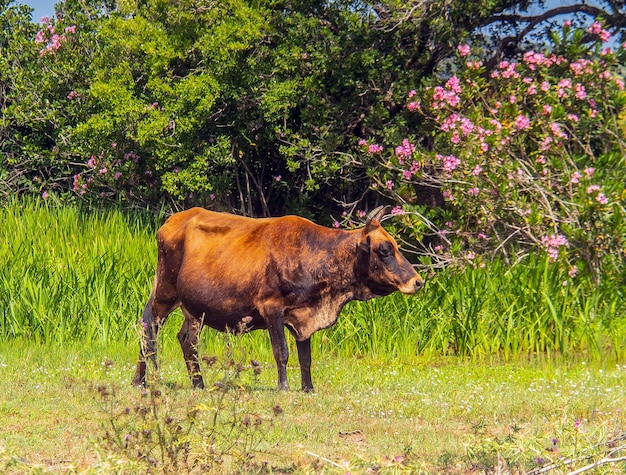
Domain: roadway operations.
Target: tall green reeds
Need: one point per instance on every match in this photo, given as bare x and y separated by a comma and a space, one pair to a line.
67, 274
531, 308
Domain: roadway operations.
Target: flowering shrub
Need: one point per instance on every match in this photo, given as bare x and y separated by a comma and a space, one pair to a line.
527, 156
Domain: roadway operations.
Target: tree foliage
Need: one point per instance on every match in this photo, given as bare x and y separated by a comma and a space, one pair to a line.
253, 106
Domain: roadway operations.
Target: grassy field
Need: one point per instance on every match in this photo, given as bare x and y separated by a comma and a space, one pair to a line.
489, 370
72, 410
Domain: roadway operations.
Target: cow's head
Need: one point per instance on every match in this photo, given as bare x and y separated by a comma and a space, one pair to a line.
383, 269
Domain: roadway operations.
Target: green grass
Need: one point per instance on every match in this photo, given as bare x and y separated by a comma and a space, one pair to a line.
481, 369
68, 275
75, 275
452, 415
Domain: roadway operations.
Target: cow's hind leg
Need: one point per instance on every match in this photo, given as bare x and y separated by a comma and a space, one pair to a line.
154, 316
147, 343
189, 337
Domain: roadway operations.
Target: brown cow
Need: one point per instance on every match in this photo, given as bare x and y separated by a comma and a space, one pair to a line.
222, 270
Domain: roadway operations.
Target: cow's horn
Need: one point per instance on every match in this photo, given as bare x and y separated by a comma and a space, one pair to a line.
377, 213
374, 218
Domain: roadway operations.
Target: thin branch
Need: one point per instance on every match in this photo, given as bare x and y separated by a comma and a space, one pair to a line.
532, 22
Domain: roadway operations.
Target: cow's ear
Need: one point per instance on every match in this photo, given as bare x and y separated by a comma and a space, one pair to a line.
374, 219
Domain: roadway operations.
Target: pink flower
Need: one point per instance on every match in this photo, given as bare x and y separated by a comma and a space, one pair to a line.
91, 163
40, 38
412, 93
450, 162
567, 23
117, 175
481, 236
522, 122
474, 191
447, 194
374, 148
602, 199
397, 210
362, 142
595, 28
553, 244
547, 109
557, 131
389, 184
70, 29
336, 224
464, 50
545, 86
565, 83
102, 171
545, 144
573, 271
592, 189
450, 122
44, 195
589, 171
414, 105
55, 42
575, 178
581, 93
572, 117
443, 97
466, 126
454, 84
405, 150
477, 170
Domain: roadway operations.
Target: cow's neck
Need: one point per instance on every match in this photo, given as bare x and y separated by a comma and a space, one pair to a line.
342, 274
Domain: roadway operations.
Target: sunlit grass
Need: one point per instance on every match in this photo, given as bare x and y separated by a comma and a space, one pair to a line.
76, 275
452, 415
483, 368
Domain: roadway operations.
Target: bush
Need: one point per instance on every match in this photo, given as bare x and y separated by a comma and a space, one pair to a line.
527, 156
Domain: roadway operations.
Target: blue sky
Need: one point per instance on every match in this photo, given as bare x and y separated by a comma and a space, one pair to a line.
42, 7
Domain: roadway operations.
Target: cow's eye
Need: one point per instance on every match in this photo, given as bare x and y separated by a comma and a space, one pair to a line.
384, 251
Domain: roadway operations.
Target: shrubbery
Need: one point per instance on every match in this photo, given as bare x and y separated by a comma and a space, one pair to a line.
528, 156
270, 108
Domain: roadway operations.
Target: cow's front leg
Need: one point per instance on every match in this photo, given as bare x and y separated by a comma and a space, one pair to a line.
304, 357
189, 337
276, 328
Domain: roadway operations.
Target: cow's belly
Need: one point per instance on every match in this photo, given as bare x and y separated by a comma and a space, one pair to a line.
224, 309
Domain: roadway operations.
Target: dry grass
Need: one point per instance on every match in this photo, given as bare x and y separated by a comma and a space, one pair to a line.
367, 417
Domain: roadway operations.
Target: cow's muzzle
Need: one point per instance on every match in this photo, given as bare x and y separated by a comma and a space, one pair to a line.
412, 285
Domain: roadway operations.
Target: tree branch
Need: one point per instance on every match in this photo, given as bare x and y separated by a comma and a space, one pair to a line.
531, 22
